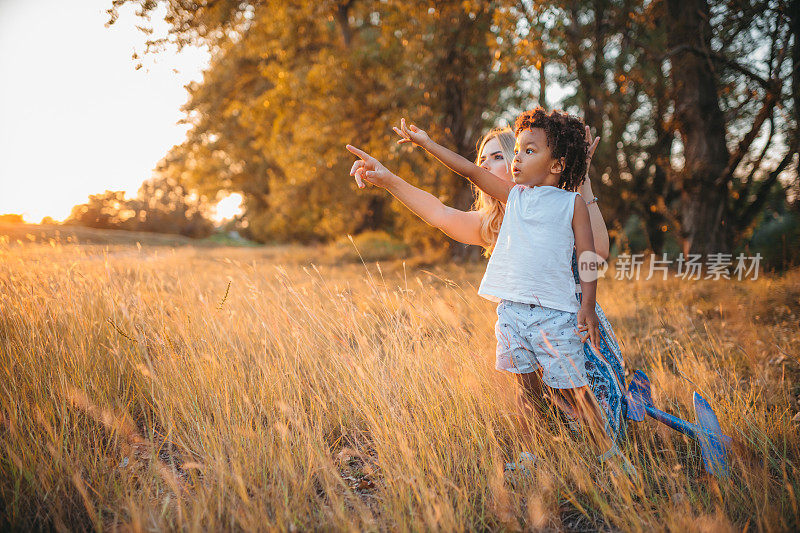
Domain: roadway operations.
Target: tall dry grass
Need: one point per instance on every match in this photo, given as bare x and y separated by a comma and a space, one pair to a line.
232, 389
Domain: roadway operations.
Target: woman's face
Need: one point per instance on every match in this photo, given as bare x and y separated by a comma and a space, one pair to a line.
492, 159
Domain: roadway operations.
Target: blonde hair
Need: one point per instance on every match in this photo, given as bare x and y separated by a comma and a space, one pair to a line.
491, 210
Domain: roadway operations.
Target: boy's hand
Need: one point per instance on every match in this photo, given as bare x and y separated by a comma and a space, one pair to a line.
369, 169
411, 133
590, 323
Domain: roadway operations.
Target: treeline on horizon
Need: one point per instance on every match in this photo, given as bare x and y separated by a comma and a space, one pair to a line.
162, 205
696, 104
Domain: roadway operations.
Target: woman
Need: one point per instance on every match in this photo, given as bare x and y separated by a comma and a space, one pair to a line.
481, 226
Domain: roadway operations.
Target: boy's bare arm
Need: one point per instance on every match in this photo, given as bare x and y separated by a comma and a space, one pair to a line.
483, 179
584, 242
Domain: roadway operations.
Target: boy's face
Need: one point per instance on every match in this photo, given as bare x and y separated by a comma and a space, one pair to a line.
533, 162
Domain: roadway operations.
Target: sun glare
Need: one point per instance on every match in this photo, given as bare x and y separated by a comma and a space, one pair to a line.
228, 207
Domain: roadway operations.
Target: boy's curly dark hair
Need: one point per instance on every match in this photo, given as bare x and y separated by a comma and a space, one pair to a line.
566, 137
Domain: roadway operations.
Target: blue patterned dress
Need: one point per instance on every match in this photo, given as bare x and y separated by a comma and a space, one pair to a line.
606, 373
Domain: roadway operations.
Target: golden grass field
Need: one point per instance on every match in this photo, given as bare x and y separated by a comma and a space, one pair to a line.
206, 389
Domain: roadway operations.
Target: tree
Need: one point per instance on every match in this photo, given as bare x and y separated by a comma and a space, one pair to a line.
290, 84
12, 218
696, 104
103, 211
684, 96
163, 205
720, 198
166, 205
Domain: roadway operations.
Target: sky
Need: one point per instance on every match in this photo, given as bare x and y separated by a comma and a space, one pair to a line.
76, 117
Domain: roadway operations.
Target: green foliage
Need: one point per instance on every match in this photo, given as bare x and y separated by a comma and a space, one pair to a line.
223, 238
777, 239
776, 235
368, 246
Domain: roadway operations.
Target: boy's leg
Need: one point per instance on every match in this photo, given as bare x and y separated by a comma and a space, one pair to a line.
536, 400
554, 337
583, 404
530, 406
586, 407
530, 398
515, 355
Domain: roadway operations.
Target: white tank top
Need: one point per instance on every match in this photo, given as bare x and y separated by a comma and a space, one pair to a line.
532, 260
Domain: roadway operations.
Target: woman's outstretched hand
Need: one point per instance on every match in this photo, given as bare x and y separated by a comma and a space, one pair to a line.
369, 169
586, 186
409, 133
592, 147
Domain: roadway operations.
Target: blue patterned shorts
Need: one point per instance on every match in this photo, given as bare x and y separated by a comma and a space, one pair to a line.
531, 337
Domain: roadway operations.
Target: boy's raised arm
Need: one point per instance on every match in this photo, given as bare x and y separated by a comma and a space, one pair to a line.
482, 178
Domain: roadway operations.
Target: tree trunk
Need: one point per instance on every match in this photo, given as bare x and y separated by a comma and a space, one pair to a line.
699, 119
794, 16
375, 216
459, 112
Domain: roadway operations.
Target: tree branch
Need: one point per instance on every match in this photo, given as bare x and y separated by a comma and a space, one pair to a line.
765, 83
761, 196
744, 145
748, 182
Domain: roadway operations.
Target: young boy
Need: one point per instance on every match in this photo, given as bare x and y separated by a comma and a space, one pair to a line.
529, 272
